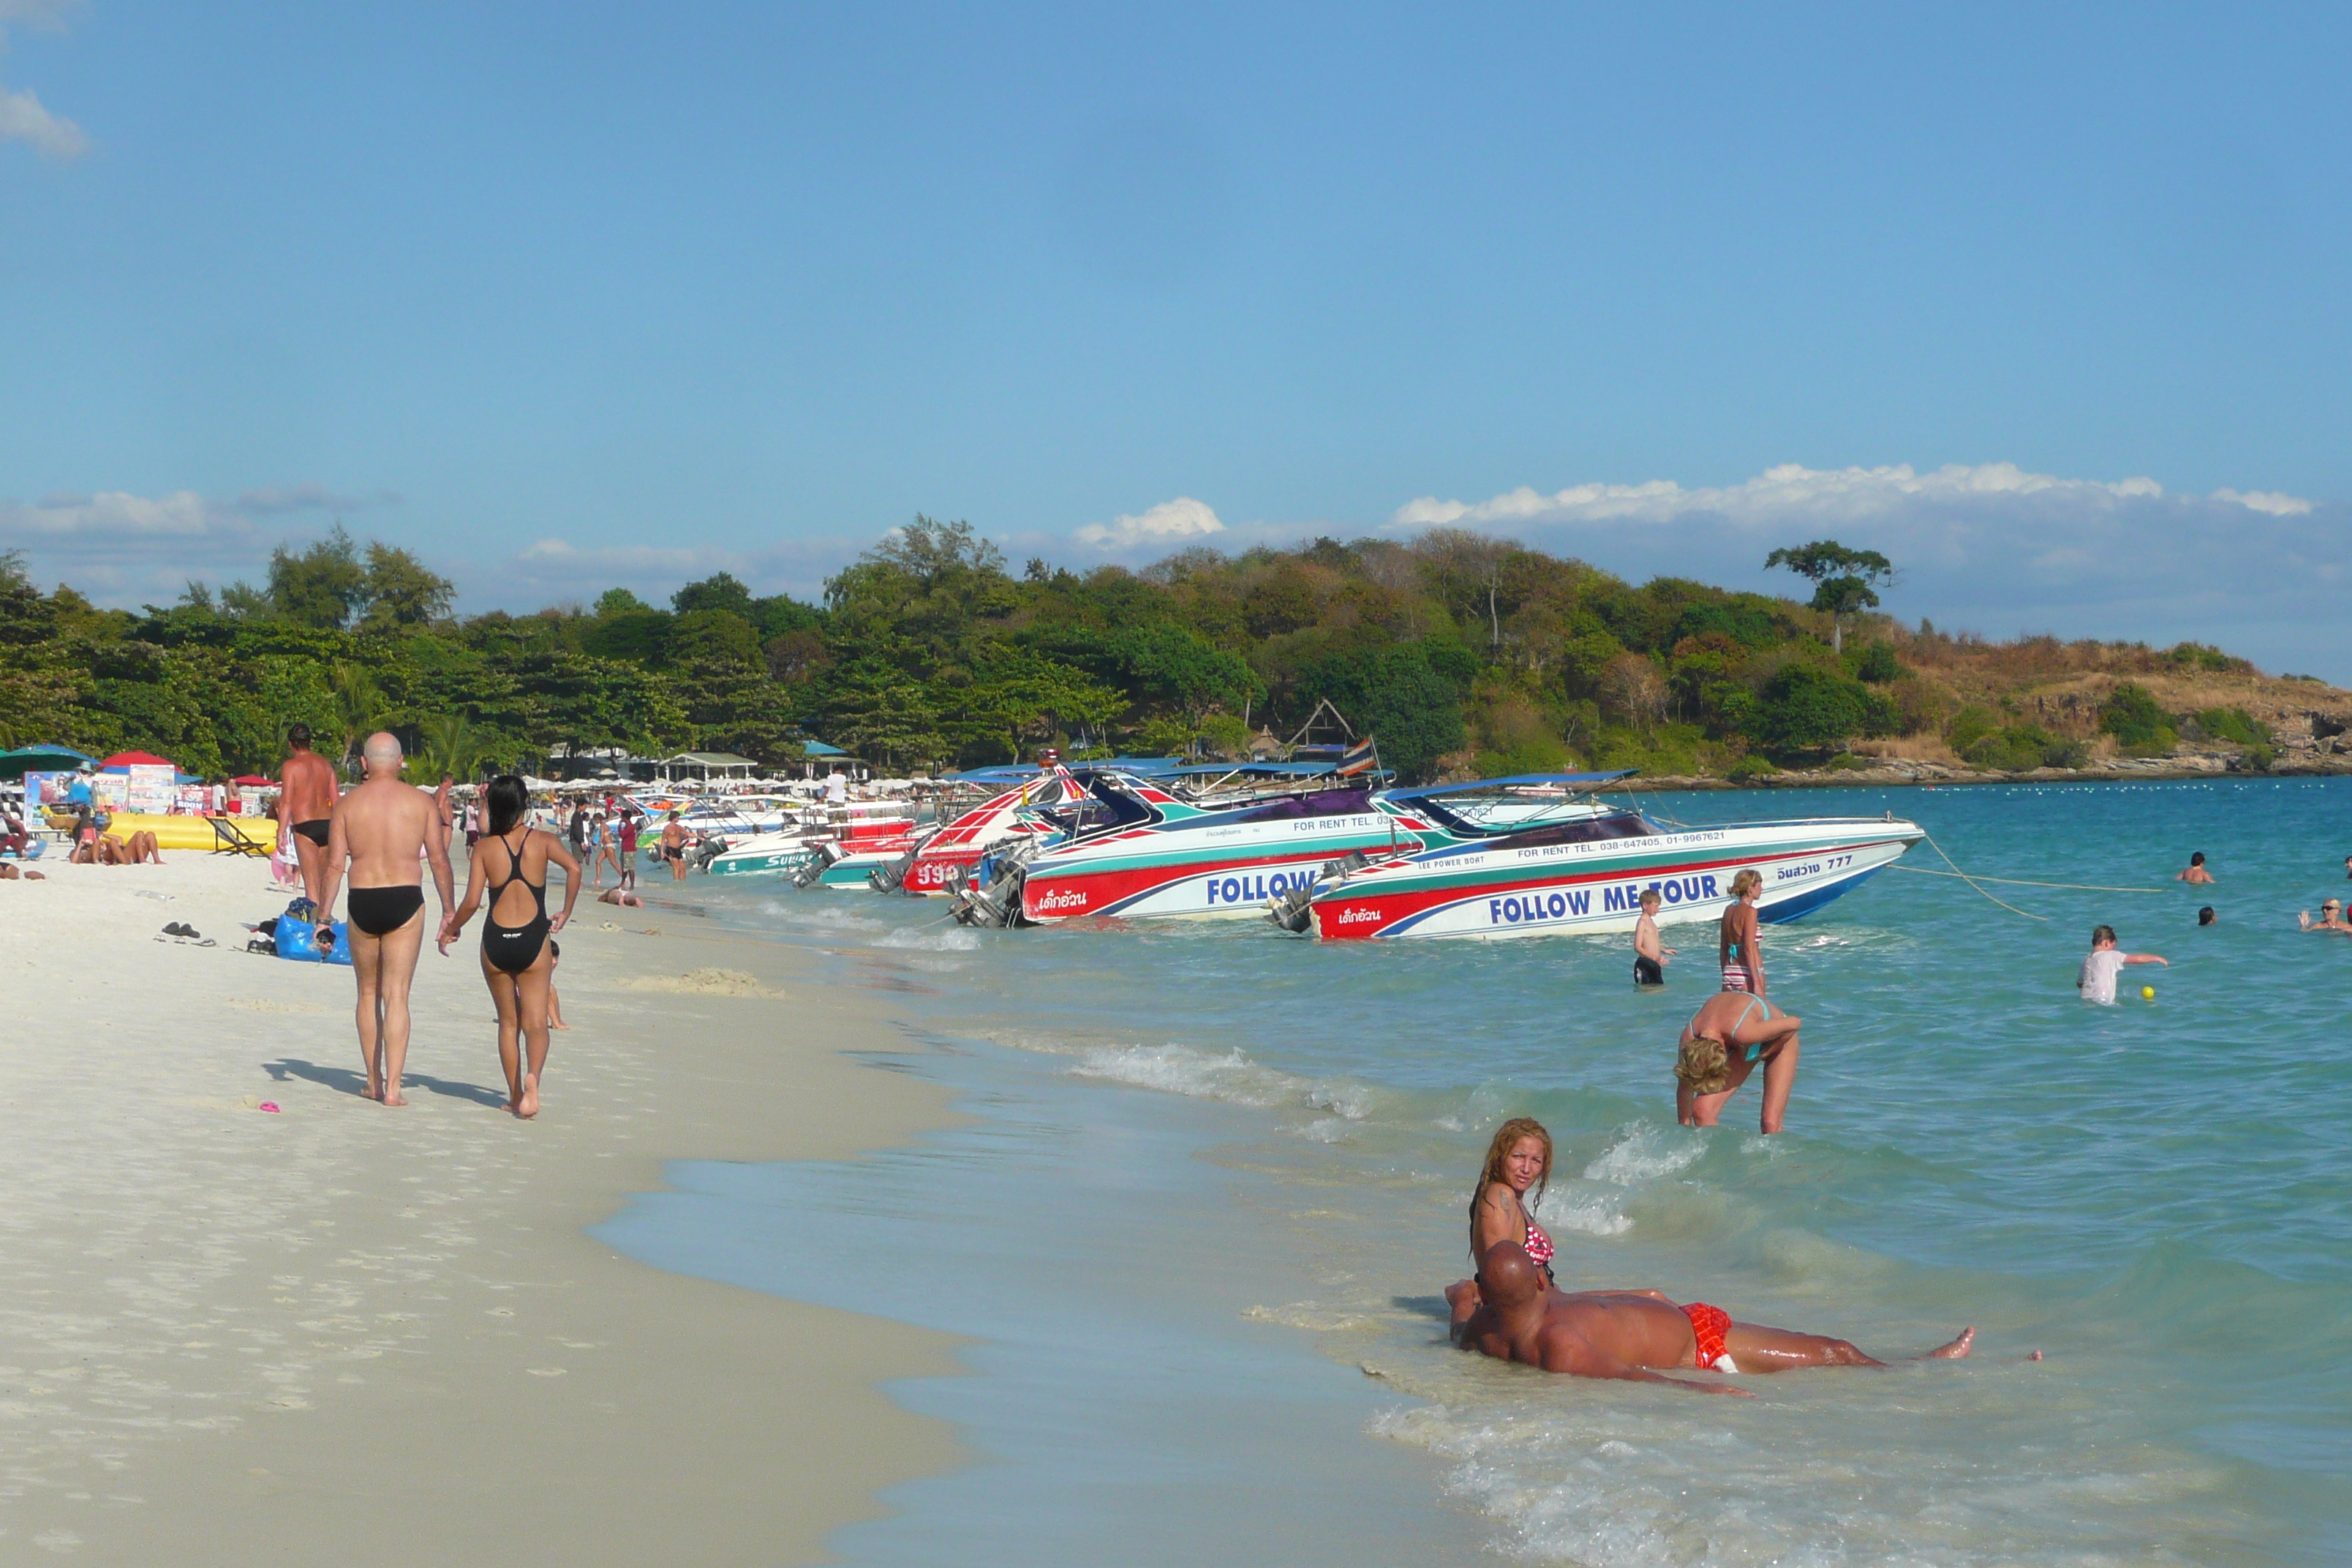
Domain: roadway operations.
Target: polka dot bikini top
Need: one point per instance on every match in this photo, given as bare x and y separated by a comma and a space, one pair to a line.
1538, 1244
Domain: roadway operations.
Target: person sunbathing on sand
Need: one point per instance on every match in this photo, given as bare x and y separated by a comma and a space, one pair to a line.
1633, 1334
623, 897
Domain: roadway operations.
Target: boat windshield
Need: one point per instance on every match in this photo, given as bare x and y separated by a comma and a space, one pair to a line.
1616, 825
1106, 807
1283, 808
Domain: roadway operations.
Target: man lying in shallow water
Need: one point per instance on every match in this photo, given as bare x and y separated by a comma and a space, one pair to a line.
1509, 1314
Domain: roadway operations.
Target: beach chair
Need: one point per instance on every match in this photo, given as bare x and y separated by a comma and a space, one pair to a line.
229, 838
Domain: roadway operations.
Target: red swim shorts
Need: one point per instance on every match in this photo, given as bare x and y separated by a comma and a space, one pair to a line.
1707, 1324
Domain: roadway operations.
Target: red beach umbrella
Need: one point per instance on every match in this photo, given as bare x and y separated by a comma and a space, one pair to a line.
251, 781
137, 759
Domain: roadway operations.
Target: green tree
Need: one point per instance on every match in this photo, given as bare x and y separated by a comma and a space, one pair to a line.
401, 591
874, 709
322, 587
1392, 694
720, 591
2137, 722
1845, 581
1803, 707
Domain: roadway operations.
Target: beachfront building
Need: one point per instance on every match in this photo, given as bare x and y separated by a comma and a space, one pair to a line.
708, 765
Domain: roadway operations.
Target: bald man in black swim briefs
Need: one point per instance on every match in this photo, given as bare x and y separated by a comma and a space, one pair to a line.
383, 828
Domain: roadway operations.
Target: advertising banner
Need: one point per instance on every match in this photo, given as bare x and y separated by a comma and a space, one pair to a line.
149, 789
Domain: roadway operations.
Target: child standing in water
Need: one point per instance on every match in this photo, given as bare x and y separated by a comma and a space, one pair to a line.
2097, 981
1649, 957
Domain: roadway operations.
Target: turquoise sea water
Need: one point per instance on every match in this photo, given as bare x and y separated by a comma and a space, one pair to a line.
2157, 1194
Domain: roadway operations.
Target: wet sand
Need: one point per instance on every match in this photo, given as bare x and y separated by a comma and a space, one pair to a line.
367, 1335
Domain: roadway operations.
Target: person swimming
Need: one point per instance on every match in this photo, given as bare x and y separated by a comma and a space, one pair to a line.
2196, 876
2331, 917
1520, 1315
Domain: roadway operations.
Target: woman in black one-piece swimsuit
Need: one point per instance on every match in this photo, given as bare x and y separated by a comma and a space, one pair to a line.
515, 930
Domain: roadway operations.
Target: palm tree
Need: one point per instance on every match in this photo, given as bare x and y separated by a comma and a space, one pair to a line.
357, 700
452, 747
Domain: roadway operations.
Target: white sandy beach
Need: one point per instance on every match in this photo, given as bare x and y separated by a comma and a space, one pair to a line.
346, 1333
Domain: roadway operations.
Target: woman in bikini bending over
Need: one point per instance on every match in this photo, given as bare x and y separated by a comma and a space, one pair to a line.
1722, 1044
509, 865
1519, 1162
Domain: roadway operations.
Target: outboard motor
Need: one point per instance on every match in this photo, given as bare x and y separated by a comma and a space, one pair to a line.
806, 873
889, 878
993, 897
1288, 908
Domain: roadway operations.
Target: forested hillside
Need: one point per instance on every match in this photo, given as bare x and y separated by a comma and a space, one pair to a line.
1461, 653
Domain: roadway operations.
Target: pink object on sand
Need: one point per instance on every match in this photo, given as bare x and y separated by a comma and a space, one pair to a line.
270, 1105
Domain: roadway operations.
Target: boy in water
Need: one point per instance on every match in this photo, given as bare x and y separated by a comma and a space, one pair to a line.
2097, 981
1649, 957
2196, 876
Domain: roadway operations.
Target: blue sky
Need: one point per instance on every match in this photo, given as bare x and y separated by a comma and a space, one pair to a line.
2049, 303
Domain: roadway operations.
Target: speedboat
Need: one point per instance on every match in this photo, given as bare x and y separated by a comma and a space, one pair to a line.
1586, 874
949, 858
1139, 849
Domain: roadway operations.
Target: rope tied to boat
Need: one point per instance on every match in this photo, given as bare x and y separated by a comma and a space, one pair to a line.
1977, 882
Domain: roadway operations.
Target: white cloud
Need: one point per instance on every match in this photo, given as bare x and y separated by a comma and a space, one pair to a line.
1989, 546
1829, 495
1171, 524
271, 499
2271, 502
22, 118
117, 516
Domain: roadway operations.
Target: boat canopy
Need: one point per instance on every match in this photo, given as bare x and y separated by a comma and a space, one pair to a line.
1516, 780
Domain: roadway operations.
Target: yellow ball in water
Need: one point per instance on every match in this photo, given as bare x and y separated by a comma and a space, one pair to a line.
2147, 992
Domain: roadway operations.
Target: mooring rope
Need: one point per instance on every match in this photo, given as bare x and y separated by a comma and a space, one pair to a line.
2021, 882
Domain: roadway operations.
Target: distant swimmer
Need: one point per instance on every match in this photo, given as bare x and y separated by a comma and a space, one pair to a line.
305, 800
1735, 947
383, 828
1649, 957
510, 866
1721, 1045
2097, 981
2331, 919
1635, 1335
2205, 916
2196, 876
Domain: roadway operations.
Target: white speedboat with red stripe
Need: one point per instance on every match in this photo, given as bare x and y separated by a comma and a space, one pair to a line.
1585, 875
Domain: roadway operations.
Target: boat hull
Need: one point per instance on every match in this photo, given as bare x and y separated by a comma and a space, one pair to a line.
1201, 872
1594, 888
767, 853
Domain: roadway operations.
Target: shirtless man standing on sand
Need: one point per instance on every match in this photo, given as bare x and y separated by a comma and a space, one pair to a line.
306, 799
1634, 1335
381, 827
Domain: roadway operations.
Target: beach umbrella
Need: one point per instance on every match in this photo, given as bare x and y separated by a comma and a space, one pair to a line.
123, 762
251, 781
15, 765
